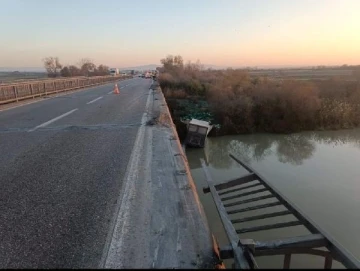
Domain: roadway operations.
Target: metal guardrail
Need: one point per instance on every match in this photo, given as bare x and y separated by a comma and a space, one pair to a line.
31, 89
244, 251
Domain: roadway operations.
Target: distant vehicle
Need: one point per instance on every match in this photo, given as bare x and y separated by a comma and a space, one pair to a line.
148, 75
114, 71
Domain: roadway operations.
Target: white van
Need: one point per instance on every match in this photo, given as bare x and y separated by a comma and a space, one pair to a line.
114, 71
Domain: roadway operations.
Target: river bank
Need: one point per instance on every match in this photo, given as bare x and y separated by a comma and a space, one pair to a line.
243, 103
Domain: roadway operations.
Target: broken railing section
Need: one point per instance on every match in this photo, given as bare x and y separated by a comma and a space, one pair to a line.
243, 251
242, 259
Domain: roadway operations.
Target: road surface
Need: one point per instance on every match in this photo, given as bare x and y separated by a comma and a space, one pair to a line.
62, 162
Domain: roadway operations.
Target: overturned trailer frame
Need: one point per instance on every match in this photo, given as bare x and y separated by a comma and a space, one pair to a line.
197, 131
244, 251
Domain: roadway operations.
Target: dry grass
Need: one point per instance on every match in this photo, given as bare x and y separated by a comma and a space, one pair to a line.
243, 103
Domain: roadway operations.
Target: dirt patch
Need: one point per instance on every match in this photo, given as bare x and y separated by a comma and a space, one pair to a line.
164, 119
152, 121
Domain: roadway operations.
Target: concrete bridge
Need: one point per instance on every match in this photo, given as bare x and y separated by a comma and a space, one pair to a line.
93, 179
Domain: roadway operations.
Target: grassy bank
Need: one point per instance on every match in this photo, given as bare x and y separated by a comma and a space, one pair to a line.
245, 103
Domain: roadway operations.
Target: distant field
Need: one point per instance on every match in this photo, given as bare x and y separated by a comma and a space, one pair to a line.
299, 74
306, 74
7, 77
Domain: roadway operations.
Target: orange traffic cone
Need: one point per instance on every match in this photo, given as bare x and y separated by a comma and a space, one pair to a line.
116, 89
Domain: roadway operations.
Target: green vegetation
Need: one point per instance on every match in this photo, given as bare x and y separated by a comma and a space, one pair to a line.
242, 103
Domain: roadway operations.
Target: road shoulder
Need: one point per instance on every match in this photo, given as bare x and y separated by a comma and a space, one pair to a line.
160, 222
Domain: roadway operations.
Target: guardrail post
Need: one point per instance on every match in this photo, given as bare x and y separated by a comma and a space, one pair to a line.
287, 260
31, 91
328, 262
34, 87
2, 91
15, 93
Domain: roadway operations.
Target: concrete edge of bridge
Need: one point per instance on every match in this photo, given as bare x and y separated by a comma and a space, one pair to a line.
160, 222
200, 249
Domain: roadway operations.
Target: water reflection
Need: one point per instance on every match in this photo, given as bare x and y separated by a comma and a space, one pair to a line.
293, 149
330, 179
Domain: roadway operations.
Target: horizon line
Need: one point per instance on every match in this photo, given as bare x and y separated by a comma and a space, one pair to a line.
13, 69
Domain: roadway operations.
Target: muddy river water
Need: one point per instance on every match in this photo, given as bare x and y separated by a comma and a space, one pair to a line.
318, 171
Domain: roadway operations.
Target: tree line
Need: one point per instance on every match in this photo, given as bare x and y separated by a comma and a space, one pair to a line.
85, 67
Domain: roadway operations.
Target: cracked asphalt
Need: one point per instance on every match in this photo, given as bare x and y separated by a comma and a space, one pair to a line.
62, 163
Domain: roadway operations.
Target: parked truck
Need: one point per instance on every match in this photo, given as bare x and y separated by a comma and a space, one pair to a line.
114, 71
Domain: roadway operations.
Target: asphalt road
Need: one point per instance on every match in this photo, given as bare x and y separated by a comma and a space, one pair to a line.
62, 162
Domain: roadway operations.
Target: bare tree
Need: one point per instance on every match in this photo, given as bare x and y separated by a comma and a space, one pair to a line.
86, 66
173, 63
178, 61
168, 62
102, 70
52, 65
65, 72
74, 71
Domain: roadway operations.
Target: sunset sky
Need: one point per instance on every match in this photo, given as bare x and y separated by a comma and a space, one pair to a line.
224, 33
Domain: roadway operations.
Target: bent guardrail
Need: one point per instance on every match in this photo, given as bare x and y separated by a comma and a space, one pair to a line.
31, 89
317, 242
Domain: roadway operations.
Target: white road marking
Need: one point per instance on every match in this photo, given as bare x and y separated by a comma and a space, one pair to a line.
121, 226
52, 120
156, 252
111, 92
93, 101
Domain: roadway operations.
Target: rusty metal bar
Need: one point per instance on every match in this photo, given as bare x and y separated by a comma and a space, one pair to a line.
246, 194
287, 260
238, 181
269, 227
258, 217
239, 189
254, 208
300, 250
249, 200
239, 257
293, 245
308, 241
328, 262
338, 252
252, 259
